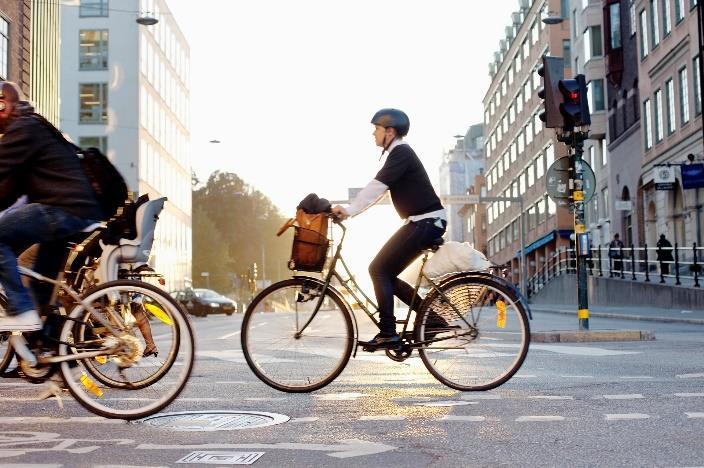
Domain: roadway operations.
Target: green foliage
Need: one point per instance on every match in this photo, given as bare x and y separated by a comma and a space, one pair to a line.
244, 223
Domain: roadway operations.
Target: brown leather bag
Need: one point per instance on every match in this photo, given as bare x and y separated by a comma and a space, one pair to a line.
310, 241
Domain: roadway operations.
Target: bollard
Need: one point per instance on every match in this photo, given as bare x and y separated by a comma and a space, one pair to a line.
662, 276
601, 273
620, 253
633, 263
647, 265
695, 265
677, 265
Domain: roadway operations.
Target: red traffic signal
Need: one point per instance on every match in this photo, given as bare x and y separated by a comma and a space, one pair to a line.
552, 71
575, 106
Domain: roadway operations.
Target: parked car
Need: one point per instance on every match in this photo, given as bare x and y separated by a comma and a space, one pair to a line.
202, 302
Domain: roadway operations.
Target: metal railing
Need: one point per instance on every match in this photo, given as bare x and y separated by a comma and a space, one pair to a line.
680, 266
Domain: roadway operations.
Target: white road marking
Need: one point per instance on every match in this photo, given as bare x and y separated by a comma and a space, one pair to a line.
577, 376
340, 396
383, 417
631, 396
463, 418
481, 396
551, 397
636, 377
229, 335
689, 395
539, 418
447, 403
525, 376
690, 376
50, 420
695, 415
626, 416
580, 350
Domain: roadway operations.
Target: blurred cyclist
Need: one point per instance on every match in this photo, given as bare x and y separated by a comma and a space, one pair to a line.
415, 201
35, 162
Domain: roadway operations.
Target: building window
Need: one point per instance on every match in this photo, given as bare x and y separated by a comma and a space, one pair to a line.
666, 18
93, 99
697, 87
654, 23
643, 34
646, 123
565, 8
592, 43
670, 101
615, 25
684, 96
595, 91
93, 49
93, 8
605, 198
100, 142
604, 152
4, 48
679, 10
658, 116
567, 50
632, 11
590, 156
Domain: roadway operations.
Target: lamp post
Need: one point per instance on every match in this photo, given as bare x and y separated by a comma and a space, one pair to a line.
522, 261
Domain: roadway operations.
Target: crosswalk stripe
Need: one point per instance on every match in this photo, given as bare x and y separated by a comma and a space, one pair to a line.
626, 416
450, 417
539, 418
627, 396
695, 415
383, 417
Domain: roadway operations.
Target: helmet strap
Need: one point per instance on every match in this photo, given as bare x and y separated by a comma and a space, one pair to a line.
386, 146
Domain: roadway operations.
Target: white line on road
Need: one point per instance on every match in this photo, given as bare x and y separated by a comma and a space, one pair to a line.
690, 376
47, 419
229, 335
383, 417
636, 377
447, 403
626, 416
695, 415
626, 396
463, 418
686, 395
539, 418
577, 376
551, 397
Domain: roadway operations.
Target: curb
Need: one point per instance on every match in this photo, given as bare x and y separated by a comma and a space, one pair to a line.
643, 318
591, 336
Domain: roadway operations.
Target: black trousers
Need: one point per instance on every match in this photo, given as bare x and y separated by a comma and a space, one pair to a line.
404, 246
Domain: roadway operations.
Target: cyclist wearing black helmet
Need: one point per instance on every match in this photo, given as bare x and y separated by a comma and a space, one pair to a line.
415, 200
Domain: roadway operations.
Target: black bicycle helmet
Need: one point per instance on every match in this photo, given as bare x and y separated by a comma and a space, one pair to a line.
393, 118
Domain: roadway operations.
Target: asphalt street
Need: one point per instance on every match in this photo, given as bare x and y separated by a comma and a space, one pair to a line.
575, 404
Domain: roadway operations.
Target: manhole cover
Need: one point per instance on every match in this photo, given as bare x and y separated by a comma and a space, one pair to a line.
207, 421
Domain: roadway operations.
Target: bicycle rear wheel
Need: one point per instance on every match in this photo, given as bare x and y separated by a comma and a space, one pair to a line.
287, 352
479, 343
123, 384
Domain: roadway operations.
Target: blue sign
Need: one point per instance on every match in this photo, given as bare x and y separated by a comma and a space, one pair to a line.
692, 176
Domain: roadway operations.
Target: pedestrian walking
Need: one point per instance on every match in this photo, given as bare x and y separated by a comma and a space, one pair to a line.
664, 254
615, 247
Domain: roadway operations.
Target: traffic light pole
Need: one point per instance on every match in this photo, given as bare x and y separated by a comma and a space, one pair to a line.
581, 237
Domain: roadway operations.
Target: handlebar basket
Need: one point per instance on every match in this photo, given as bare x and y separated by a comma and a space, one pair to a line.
309, 250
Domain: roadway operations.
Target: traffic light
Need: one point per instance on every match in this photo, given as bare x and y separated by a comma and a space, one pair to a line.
552, 71
575, 107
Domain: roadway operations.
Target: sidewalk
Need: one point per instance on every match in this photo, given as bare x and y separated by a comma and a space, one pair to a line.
652, 314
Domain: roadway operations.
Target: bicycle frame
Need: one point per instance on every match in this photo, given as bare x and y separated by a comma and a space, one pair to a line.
352, 290
20, 345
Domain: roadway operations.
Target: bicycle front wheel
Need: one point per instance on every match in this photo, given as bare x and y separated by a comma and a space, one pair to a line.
476, 332
6, 351
120, 382
294, 338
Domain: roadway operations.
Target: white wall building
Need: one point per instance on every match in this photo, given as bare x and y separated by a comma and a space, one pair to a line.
125, 89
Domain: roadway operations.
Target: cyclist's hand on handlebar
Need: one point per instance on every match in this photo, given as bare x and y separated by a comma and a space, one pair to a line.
340, 212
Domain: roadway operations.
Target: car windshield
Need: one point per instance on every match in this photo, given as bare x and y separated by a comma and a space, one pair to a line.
206, 294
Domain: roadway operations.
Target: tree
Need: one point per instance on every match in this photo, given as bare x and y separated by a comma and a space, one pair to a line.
246, 222
210, 254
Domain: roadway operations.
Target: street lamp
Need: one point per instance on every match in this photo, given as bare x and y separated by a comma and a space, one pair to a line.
552, 17
146, 19
524, 271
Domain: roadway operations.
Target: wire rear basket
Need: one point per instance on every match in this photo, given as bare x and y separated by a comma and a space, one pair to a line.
309, 250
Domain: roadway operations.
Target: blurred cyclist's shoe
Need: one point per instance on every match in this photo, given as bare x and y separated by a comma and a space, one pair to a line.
24, 322
381, 341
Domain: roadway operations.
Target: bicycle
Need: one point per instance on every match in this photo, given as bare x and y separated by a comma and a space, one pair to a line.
471, 329
94, 345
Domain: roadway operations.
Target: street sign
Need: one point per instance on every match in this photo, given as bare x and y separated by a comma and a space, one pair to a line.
559, 184
623, 205
664, 177
692, 176
459, 199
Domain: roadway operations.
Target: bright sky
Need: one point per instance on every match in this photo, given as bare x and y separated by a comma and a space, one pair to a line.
289, 88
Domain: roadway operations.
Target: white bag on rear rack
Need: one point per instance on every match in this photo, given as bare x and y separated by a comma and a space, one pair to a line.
451, 257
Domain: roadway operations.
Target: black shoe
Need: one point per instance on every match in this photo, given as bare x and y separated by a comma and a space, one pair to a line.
381, 341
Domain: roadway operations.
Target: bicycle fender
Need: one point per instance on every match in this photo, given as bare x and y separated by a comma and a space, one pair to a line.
498, 279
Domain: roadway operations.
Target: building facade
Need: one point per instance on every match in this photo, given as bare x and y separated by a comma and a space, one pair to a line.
15, 42
518, 148
458, 170
125, 90
671, 115
625, 153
